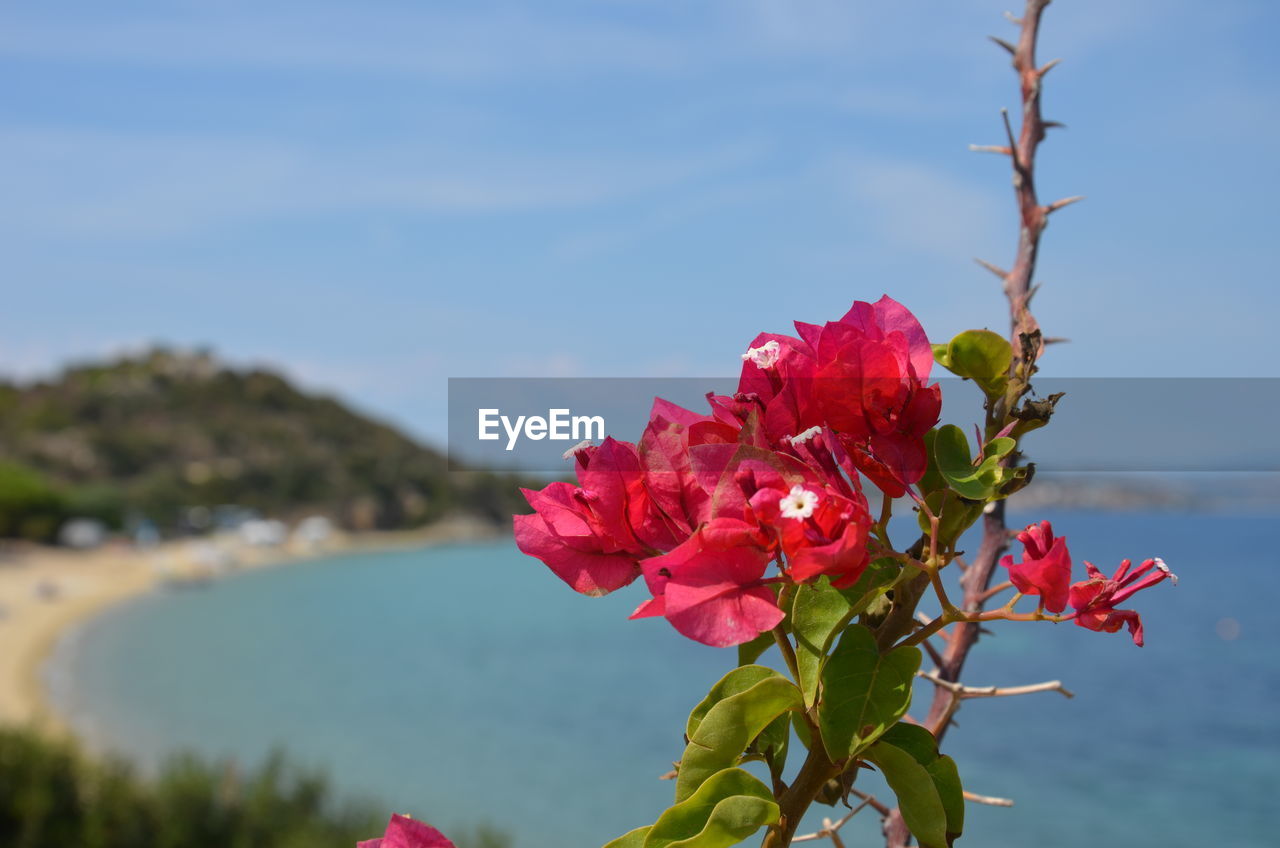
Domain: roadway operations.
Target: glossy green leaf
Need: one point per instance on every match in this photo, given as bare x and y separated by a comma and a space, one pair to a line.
1000, 447
631, 839
927, 785
726, 809
729, 726
749, 652
955, 463
818, 613
982, 356
771, 745
863, 692
735, 682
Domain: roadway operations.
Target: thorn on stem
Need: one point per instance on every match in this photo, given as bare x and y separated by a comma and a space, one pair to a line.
1063, 203
990, 148
995, 269
1056, 340
1013, 145
1011, 18
1048, 66
1053, 125
1006, 45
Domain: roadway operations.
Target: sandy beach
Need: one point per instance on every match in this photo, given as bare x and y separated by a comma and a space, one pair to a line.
44, 592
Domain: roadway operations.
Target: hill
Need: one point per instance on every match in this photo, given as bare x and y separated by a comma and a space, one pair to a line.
171, 436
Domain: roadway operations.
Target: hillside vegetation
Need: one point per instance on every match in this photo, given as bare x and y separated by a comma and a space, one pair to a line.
51, 796
157, 434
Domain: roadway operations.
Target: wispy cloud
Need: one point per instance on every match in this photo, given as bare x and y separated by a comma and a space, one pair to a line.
102, 184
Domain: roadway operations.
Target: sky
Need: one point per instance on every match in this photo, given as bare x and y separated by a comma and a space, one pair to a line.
375, 197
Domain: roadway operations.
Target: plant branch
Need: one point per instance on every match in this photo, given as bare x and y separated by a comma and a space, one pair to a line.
989, 800
1025, 337
831, 829
964, 692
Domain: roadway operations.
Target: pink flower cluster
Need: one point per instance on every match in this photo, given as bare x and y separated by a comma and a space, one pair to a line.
1045, 570
405, 832
705, 503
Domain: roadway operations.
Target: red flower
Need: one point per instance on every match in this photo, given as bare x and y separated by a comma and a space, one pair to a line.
711, 587
593, 535
871, 370
1095, 599
1045, 569
777, 374
821, 523
404, 832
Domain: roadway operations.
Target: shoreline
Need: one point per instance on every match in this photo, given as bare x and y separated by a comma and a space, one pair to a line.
48, 593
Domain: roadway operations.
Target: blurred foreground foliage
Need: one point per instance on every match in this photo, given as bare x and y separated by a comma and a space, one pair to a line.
156, 434
52, 796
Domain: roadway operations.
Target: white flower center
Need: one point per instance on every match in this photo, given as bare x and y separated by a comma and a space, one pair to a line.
765, 356
1160, 564
799, 503
806, 436
573, 451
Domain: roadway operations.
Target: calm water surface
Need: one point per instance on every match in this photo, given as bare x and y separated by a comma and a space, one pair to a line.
467, 684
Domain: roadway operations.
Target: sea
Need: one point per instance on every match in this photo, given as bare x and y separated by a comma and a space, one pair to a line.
467, 685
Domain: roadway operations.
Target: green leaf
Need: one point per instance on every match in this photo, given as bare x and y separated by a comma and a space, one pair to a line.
955, 514
735, 682
863, 692
631, 839
879, 578
982, 356
726, 809
932, 480
951, 453
927, 785
977, 483
749, 652
818, 613
729, 726
1000, 447
772, 743
940, 355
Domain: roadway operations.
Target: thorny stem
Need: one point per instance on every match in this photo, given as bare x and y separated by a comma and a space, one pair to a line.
1026, 342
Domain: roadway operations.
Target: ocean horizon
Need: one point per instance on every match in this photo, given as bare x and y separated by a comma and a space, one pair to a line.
466, 684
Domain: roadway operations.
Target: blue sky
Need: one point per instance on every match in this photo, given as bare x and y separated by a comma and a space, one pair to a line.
377, 196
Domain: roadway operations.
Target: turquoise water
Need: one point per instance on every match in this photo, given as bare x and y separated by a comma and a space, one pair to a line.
467, 684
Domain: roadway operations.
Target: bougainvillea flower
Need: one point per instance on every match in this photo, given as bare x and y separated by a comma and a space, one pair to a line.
612, 478
593, 535
820, 531
711, 587
561, 533
871, 370
1045, 569
1095, 599
668, 475
777, 373
405, 832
